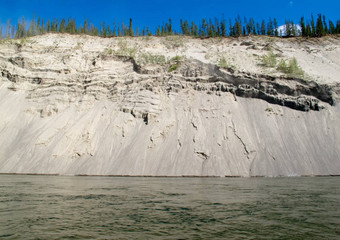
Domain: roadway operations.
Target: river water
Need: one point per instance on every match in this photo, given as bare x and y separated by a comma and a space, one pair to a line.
65, 207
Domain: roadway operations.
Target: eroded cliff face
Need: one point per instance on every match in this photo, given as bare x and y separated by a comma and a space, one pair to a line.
164, 107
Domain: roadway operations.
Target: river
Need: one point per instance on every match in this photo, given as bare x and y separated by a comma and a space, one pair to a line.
69, 207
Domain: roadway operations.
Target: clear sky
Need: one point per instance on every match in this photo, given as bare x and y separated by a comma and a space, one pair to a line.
154, 12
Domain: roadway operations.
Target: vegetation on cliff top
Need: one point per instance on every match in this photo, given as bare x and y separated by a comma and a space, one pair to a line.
205, 28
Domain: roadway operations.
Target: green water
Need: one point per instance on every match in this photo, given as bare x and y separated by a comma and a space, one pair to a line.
55, 207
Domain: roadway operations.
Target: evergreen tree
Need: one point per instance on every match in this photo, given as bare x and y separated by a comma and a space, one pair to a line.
331, 27
114, 30
210, 29
325, 25
238, 27
62, 28
86, 29
186, 28
42, 26
270, 27
170, 31
251, 27
8, 28
131, 32
48, 26
195, 31
303, 27
288, 29
217, 27
231, 29
312, 23
148, 32
32, 28
71, 26
308, 30
223, 28
54, 26
263, 28
276, 28
103, 31
109, 31
258, 29
320, 31
337, 29
293, 29
21, 29
1, 29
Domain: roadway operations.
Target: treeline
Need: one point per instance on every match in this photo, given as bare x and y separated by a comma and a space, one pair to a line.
205, 28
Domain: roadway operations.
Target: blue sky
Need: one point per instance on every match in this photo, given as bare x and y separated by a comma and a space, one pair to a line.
154, 12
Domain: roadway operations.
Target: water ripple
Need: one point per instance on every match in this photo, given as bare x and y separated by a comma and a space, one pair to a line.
52, 207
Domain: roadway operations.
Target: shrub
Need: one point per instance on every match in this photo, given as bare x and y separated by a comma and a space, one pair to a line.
292, 69
222, 63
269, 60
125, 50
173, 67
282, 67
110, 51
149, 58
177, 59
173, 42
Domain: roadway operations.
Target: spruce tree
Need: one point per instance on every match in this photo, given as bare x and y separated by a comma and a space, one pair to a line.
170, 31
32, 28
303, 27
223, 28
288, 29
48, 25
276, 28
86, 26
293, 29
270, 28
231, 29
320, 31
331, 27
312, 23
337, 30
62, 26
148, 32
238, 26
42, 26
263, 28
109, 32
258, 29
196, 31
325, 24
8, 28
131, 32
308, 30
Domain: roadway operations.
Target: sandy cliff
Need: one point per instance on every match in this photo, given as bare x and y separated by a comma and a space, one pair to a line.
165, 107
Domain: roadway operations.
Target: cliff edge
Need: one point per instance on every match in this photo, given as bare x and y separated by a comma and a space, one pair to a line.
170, 106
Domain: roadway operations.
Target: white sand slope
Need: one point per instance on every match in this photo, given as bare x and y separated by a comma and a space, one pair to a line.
76, 105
